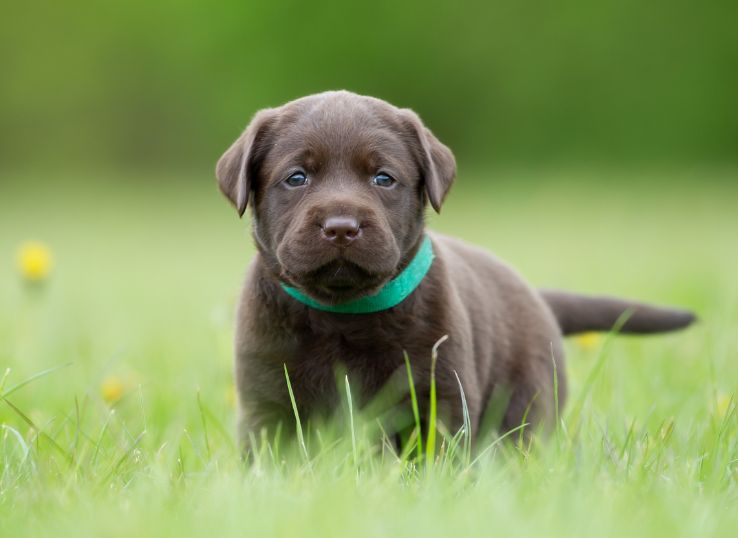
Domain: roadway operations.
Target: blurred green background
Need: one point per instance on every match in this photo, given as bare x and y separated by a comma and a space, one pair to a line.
168, 84
597, 141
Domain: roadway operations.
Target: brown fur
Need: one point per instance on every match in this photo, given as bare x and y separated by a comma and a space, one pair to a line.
503, 336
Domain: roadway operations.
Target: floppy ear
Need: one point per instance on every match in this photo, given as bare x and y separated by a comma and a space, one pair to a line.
437, 162
236, 167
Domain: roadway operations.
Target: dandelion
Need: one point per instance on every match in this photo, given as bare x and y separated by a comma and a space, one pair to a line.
588, 340
112, 389
722, 405
230, 396
34, 261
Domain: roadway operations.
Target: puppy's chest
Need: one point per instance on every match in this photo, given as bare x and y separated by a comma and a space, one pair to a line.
367, 350
356, 341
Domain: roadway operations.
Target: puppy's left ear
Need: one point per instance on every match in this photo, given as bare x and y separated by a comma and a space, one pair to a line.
237, 166
437, 162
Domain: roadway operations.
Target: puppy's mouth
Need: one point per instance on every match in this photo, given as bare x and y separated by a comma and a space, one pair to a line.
339, 281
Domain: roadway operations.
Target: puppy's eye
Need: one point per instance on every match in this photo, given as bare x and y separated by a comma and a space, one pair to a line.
298, 179
383, 180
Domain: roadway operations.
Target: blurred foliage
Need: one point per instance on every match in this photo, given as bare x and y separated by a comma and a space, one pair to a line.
171, 83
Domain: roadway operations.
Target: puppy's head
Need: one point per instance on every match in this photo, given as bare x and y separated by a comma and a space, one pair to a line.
338, 184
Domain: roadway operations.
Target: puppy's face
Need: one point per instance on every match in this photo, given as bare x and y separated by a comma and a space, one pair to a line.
338, 184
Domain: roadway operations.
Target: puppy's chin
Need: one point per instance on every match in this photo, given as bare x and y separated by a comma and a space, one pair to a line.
338, 282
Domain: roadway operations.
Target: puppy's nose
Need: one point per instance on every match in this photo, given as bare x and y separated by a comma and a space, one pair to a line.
341, 230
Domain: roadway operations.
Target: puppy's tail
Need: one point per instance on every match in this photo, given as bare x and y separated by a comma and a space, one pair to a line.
579, 313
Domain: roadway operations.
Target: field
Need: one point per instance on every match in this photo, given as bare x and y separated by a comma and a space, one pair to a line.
125, 424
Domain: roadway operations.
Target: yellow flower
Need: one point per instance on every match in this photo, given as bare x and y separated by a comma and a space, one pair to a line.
112, 389
34, 261
722, 405
230, 396
589, 340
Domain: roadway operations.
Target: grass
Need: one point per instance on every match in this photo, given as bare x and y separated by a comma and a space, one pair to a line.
117, 412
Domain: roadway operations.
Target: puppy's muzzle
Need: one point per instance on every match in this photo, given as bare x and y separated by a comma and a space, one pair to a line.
341, 231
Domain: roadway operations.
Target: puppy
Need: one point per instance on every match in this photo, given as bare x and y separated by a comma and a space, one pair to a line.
347, 276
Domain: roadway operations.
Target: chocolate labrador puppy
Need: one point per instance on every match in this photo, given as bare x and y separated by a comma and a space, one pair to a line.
347, 276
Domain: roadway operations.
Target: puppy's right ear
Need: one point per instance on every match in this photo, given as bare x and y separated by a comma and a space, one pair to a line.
236, 167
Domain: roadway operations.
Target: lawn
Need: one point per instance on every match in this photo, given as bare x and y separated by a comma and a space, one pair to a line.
127, 428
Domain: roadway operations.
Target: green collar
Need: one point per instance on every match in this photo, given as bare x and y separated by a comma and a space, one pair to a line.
392, 294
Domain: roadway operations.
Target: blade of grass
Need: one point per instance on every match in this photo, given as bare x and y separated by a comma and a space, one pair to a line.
122, 459
222, 430
467, 422
416, 409
4, 380
496, 442
204, 425
576, 407
351, 420
39, 431
524, 420
100, 437
556, 398
31, 379
430, 444
387, 444
18, 437
298, 424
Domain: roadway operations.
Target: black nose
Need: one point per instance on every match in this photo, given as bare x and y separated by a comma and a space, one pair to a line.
341, 230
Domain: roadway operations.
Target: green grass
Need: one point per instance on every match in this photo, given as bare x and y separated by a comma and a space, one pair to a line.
144, 285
